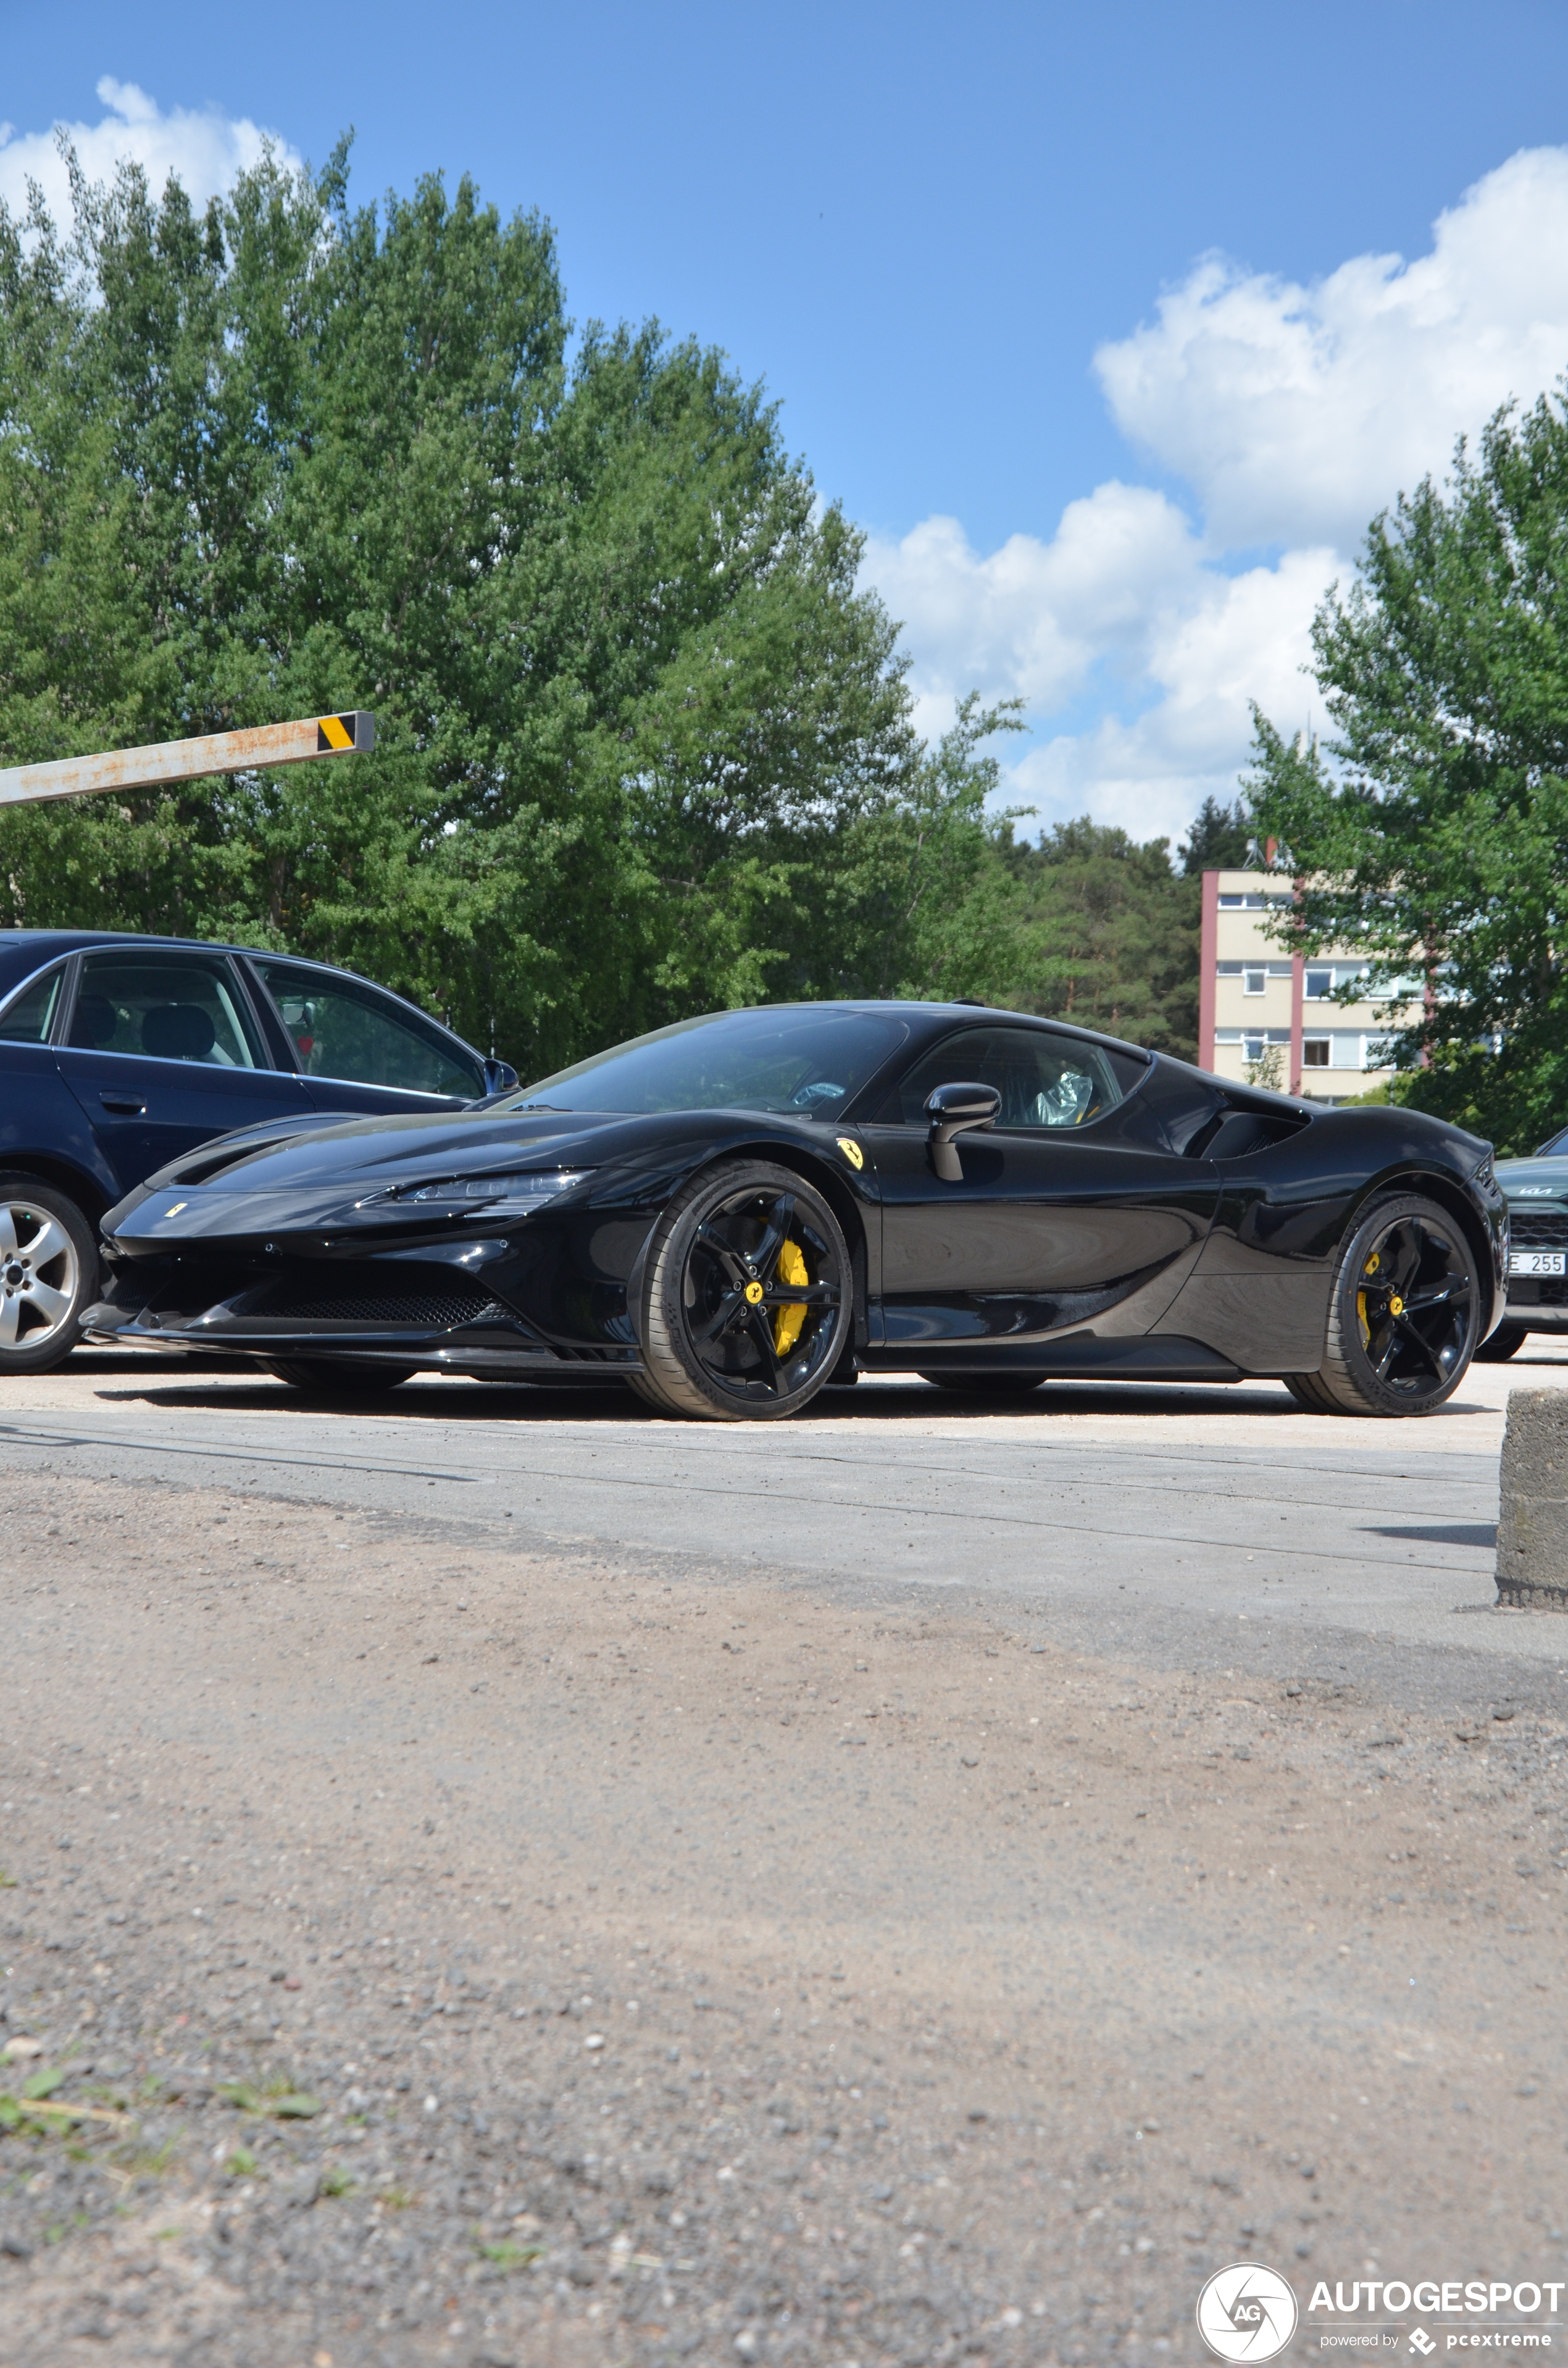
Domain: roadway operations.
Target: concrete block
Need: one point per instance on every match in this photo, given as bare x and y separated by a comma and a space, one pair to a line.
1532, 1528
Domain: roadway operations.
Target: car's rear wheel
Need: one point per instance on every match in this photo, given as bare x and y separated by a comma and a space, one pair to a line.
339, 1376
1505, 1342
1404, 1311
747, 1303
995, 1385
49, 1269
1309, 1392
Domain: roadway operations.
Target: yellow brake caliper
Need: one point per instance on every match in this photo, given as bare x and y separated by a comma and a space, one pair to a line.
1370, 1268
787, 1321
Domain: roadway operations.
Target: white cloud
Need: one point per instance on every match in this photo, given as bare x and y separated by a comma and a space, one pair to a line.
1295, 413
1225, 642
1121, 606
204, 148
1034, 619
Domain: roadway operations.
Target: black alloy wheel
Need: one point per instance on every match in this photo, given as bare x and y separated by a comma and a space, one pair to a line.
339, 1377
1505, 1342
747, 1305
1405, 1313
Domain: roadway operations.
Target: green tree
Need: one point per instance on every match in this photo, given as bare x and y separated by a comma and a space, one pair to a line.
1111, 935
1433, 830
644, 748
1219, 839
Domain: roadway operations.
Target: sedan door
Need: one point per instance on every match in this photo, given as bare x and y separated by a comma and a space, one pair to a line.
1071, 1207
362, 1051
162, 1052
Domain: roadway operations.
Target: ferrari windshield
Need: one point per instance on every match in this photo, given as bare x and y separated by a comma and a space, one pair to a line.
805, 1058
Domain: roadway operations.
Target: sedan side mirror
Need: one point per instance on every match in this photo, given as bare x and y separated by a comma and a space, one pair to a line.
958, 1110
499, 1077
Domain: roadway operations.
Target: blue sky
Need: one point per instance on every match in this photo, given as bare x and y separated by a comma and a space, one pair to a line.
921, 226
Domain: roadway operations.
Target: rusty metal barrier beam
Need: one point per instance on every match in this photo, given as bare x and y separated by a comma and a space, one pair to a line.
187, 761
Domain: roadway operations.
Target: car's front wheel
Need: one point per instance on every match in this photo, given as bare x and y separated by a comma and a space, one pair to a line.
49, 1269
746, 1303
1405, 1313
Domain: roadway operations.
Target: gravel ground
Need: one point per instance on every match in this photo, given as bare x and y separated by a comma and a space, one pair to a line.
415, 1951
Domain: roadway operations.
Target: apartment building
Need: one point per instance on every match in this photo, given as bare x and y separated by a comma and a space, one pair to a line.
1253, 995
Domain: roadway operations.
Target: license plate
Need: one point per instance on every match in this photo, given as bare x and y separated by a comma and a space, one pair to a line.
1538, 1261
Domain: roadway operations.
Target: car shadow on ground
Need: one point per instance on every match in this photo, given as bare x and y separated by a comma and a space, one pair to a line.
897, 1400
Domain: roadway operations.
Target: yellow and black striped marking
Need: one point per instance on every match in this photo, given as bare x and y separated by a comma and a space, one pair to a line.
337, 732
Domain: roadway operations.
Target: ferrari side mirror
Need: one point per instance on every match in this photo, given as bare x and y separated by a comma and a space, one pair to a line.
957, 1110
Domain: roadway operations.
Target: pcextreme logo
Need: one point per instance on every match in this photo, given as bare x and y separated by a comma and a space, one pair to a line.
1246, 2312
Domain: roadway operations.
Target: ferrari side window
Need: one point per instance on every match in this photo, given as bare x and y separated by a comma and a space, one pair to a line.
1044, 1079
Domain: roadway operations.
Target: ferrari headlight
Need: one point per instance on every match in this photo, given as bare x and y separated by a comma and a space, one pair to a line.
493, 1196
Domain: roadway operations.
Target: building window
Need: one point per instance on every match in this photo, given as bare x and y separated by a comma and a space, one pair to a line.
1254, 980
1320, 983
1314, 1051
1232, 904
1253, 1047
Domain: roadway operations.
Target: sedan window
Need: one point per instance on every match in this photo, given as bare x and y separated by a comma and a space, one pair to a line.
347, 1031
164, 1008
1044, 1079
29, 1015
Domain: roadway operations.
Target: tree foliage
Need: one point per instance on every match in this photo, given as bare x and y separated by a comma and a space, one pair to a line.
643, 747
1112, 933
1219, 840
1433, 830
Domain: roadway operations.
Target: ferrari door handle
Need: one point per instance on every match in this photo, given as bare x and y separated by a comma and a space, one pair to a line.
123, 1105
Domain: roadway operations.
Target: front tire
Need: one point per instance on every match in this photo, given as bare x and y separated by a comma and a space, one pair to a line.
1405, 1313
339, 1376
48, 1272
746, 1306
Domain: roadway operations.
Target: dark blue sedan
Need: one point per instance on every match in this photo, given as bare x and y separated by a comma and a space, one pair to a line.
119, 1053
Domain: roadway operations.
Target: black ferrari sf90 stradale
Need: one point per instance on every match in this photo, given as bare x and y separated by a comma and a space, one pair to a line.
733, 1213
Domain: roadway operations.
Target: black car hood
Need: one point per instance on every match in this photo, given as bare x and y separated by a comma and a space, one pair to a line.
359, 1150
266, 1181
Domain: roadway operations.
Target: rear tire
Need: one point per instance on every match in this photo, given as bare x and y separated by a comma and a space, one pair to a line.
339, 1376
49, 1275
1505, 1342
1404, 1313
997, 1385
747, 1303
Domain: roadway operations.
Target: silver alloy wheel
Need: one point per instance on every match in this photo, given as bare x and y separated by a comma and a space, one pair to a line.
38, 1276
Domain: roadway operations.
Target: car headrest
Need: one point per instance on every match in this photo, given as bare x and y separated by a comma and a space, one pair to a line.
95, 1022
178, 1032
